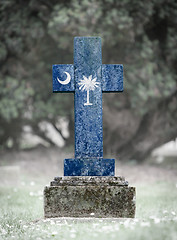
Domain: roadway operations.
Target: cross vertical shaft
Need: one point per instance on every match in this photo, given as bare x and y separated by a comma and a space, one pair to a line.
88, 117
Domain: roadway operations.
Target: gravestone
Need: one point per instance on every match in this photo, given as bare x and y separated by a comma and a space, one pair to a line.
88, 187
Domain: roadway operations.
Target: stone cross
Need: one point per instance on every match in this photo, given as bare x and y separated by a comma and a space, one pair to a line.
88, 78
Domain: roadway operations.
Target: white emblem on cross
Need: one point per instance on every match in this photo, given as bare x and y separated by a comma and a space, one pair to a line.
88, 84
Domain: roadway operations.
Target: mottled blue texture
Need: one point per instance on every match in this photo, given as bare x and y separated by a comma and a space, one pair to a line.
112, 77
88, 119
88, 68
89, 167
59, 71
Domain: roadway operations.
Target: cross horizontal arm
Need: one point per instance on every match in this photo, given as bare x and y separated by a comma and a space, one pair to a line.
63, 78
112, 77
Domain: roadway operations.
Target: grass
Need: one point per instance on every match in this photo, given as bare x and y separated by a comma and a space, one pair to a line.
21, 216
21, 206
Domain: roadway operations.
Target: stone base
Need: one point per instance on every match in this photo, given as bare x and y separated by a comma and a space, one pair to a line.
89, 197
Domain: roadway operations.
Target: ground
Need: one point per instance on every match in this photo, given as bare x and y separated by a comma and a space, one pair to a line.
23, 176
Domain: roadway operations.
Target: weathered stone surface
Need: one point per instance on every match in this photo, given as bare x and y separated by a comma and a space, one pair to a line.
59, 74
84, 181
86, 196
88, 118
89, 167
88, 78
112, 78
89, 197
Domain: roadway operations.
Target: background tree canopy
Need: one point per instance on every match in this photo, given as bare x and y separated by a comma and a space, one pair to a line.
139, 34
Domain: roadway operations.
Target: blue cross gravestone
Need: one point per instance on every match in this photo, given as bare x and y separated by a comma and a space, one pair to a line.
88, 78
88, 187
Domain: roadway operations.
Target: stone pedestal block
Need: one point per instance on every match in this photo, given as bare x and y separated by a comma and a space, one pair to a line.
89, 167
89, 197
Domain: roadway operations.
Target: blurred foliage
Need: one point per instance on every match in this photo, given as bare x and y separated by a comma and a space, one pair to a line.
36, 34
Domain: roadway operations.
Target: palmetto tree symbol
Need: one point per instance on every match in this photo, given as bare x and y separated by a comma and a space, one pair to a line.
88, 84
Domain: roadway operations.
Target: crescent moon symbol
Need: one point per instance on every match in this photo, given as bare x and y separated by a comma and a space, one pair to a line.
68, 79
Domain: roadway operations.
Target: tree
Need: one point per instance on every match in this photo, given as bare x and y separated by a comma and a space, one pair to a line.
141, 35
88, 84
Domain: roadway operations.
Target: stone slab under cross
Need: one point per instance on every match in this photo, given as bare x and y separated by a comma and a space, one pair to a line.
88, 78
